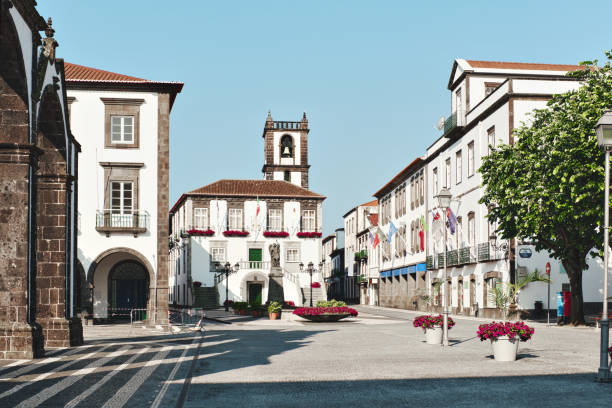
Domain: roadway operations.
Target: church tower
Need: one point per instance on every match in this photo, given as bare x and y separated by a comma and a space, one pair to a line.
286, 151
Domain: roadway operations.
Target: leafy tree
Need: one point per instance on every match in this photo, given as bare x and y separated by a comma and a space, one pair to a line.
549, 185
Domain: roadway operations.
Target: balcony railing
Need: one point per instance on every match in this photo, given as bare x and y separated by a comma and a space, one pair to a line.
456, 119
110, 221
484, 252
261, 265
465, 256
429, 262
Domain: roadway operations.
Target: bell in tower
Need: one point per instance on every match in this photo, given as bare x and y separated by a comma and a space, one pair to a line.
287, 146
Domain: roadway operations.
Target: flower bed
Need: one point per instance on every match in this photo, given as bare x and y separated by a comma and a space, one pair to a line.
325, 314
201, 233
229, 303
430, 321
197, 284
315, 285
288, 304
494, 330
233, 233
275, 234
308, 235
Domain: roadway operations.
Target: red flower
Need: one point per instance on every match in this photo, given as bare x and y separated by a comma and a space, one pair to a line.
315, 285
234, 233
308, 235
199, 232
275, 234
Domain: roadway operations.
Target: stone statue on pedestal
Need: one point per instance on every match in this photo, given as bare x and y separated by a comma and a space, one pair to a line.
275, 289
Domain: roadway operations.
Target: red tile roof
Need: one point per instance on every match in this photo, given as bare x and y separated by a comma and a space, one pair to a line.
250, 188
373, 203
401, 176
82, 73
523, 65
255, 188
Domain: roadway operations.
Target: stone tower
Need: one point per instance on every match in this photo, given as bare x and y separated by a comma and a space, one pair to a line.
286, 151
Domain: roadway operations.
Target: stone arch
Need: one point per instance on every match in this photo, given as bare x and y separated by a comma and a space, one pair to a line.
97, 278
254, 277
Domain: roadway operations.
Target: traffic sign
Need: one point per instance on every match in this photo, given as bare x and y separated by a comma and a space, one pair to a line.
548, 268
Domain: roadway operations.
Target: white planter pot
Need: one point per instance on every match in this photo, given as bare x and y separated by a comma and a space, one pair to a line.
433, 336
505, 349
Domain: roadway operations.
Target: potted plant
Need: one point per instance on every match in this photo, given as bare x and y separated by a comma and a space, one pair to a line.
505, 338
240, 308
506, 296
197, 284
274, 310
315, 285
255, 309
432, 327
288, 304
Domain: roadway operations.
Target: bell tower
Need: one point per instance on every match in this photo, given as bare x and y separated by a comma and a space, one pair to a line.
286, 151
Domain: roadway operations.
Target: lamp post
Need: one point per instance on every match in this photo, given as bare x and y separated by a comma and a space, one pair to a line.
444, 199
603, 129
310, 269
227, 269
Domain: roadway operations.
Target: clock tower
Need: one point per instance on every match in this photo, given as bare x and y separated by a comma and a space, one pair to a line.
286, 151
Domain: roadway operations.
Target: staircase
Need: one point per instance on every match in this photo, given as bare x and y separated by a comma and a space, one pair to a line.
317, 294
205, 297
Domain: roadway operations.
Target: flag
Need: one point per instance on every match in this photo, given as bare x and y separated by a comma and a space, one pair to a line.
424, 223
452, 220
371, 236
376, 241
392, 230
257, 212
422, 235
436, 226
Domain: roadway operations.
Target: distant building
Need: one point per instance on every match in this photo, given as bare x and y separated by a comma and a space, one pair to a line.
237, 221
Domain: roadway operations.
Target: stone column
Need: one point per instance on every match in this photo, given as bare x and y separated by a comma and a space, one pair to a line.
276, 292
20, 336
51, 280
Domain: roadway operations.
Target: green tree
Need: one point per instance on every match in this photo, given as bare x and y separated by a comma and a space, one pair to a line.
548, 186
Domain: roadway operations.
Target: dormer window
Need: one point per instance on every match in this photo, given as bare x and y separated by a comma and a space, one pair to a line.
286, 146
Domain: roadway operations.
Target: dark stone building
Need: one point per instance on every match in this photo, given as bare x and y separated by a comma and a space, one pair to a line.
37, 189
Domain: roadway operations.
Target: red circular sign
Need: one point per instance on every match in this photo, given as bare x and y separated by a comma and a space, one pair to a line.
548, 268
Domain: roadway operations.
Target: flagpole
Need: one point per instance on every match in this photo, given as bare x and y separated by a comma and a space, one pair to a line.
444, 300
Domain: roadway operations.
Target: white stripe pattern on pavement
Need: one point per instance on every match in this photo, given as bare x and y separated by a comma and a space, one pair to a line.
126, 392
50, 372
37, 363
182, 358
104, 380
49, 392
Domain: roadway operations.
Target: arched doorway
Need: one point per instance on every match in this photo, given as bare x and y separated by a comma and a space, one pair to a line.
128, 289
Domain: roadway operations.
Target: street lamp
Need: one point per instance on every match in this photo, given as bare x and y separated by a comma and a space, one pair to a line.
227, 269
310, 269
603, 130
444, 199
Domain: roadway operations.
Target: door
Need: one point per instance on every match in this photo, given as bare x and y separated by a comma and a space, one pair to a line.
255, 293
460, 296
255, 258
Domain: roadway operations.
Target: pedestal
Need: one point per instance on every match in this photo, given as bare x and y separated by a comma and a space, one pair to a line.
275, 288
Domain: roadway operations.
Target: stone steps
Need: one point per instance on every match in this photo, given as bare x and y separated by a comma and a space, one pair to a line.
317, 294
205, 298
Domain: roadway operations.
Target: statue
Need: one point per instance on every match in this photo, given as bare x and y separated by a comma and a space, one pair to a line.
49, 44
275, 255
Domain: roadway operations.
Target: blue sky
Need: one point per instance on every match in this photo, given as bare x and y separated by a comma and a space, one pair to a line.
371, 75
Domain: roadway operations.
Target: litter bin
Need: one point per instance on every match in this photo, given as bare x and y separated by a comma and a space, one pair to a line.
567, 305
538, 308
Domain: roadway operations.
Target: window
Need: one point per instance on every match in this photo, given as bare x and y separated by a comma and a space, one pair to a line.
275, 219
287, 175
235, 219
470, 159
218, 254
422, 186
435, 181
286, 147
122, 198
308, 221
491, 137
458, 166
490, 87
293, 255
200, 218
122, 129
448, 173
491, 285
471, 230
121, 122
458, 101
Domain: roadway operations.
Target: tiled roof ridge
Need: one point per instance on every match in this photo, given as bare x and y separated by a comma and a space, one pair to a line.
76, 72
290, 189
523, 65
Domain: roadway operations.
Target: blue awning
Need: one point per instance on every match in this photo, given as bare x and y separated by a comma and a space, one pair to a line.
396, 272
412, 269
422, 267
404, 271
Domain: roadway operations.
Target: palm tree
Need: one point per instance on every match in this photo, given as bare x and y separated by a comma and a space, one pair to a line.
506, 297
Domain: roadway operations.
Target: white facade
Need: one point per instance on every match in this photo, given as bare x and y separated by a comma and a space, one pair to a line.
486, 105
119, 188
193, 258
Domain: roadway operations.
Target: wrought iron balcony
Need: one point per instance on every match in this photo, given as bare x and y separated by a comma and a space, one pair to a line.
455, 120
465, 256
112, 221
429, 262
484, 252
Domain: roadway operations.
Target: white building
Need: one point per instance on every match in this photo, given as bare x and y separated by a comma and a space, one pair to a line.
402, 261
123, 123
488, 101
236, 222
